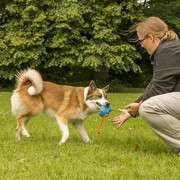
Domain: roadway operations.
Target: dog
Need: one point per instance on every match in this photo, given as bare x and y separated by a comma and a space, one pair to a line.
66, 104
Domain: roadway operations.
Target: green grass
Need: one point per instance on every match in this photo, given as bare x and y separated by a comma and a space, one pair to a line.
131, 152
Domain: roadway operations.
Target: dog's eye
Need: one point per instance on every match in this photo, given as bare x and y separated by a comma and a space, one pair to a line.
99, 96
94, 97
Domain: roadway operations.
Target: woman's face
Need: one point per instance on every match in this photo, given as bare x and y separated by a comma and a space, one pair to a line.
148, 42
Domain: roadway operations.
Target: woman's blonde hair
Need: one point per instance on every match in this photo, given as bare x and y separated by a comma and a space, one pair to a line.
156, 27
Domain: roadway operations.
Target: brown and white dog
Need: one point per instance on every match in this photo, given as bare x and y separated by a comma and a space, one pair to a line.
64, 103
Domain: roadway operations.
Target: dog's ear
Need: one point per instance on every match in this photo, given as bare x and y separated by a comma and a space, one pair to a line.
92, 87
106, 88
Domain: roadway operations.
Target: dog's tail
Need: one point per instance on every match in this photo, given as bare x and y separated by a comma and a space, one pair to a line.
34, 78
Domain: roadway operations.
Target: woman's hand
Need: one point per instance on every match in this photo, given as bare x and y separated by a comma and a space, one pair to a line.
133, 109
119, 120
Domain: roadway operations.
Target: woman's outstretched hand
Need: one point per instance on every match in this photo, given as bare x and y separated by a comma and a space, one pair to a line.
119, 120
133, 109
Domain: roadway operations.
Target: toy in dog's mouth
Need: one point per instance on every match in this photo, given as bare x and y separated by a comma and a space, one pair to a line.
105, 110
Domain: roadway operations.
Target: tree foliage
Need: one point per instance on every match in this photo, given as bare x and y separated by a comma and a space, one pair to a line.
67, 34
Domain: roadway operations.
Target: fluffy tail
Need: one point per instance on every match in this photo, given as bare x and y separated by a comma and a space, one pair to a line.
30, 76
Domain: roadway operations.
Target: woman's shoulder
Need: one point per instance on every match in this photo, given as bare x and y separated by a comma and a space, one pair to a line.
168, 48
168, 53
170, 45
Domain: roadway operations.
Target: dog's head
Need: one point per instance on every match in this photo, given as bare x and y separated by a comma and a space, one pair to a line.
95, 97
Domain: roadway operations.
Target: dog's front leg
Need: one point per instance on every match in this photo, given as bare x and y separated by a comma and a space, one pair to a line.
64, 129
82, 132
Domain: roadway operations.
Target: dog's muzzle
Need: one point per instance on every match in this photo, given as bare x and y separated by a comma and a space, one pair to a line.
99, 104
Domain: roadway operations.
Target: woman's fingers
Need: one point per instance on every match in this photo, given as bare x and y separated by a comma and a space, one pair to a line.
116, 120
119, 120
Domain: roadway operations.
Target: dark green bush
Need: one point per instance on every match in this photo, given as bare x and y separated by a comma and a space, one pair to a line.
66, 36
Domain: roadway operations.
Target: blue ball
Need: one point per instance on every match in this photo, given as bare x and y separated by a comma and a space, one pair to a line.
104, 110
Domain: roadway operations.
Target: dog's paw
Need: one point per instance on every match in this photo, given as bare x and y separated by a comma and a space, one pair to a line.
61, 142
88, 142
25, 133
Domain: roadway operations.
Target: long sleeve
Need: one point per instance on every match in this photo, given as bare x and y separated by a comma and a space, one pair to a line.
140, 98
166, 71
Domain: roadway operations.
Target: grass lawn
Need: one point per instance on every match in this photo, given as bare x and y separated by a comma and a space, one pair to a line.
130, 152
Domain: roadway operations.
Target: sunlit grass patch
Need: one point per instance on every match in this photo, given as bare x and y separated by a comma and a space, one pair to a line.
130, 152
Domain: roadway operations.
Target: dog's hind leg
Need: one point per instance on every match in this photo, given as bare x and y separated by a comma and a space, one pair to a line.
81, 131
64, 129
24, 129
21, 129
